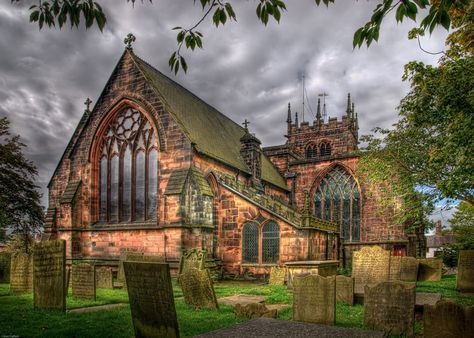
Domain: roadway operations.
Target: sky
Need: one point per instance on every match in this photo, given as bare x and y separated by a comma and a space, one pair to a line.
245, 70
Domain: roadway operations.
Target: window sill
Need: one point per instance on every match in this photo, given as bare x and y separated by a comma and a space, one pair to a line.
259, 265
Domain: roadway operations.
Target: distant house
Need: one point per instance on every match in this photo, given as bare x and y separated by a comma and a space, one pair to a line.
436, 241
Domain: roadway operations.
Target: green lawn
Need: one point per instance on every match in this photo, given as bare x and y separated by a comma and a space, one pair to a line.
17, 316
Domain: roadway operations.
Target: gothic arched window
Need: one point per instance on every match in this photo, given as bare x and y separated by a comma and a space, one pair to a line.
250, 243
338, 200
270, 242
311, 151
325, 149
128, 165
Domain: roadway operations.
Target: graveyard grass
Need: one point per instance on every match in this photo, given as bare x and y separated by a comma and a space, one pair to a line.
17, 316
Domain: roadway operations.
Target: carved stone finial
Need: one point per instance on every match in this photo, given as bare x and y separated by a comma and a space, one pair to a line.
246, 123
88, 102
129, 40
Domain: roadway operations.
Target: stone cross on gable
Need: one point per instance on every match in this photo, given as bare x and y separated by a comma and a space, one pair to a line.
87, 102
246, 123
129, 40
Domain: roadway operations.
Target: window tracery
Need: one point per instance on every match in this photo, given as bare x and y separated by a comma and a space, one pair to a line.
325, 149
311, 150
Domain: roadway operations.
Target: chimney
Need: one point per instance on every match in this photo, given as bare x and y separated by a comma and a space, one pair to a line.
250, 153
438, 229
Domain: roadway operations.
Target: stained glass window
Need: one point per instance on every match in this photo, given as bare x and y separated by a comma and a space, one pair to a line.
270, 242
250, 243
325, 149
128, 178
337, 199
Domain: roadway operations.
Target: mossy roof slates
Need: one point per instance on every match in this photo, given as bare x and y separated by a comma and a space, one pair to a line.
176, 182
199, 179
70, 191
213, 133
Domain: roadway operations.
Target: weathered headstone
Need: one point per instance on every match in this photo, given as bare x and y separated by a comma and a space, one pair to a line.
254, 310
370, 265
430, 269
68, 279
447, 319
465, 276
49, 275
314, 299
395, 267
5, 258
390, 307
83, 281
193, 258
104, 278
409, 269
21, 273
198, 289
126, 256
345, 290
277, 276
151, 299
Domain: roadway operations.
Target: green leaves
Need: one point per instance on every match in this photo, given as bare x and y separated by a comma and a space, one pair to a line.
270, 8
60, 11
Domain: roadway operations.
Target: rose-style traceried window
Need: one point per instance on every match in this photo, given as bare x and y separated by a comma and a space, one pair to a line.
128, 169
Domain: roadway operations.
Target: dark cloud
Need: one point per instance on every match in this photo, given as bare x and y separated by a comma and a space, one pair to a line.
245, 70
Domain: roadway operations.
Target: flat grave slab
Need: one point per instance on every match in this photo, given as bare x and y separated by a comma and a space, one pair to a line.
426, 298
269, 327
241, 299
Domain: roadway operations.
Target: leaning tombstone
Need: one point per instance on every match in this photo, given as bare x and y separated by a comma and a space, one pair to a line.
151, 299
104, 278
277, 276
390, 307
408, 269
83, 281
314, 299
192, 258
5, 258
49, 275
21, 273
198, 289
465, 276
345, 290
447, 319
370, 265
430, 269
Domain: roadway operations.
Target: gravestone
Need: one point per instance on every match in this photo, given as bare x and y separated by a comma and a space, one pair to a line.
345, 290
5, 261
21, 273
49, 275
193, 258
83, 281
409, 269
68, 279
198, 289
314, 299
465, 276
277, 276
395, 267
254, 310
430, 269
390, 307
151, 299
135, 257
447, 319
370, 265
104, 278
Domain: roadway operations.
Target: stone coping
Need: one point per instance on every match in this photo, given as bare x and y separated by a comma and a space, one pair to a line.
311, 263
269, 327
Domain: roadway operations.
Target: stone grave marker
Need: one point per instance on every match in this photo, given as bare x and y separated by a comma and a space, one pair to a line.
370, 265
135, 257
465, 276
21, 273
49, 275
254, 310
395, 267
277, 276
193, 258
390, 307
198, 289
345, 290
83, 281
314, 299
447, 319
104, 278
430, 269
5, 261
151, 299
68, 279
409, 269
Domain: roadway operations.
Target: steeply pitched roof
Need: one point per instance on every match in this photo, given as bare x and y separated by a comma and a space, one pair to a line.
213, 133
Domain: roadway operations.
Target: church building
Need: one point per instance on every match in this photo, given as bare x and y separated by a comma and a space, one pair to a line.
152, 168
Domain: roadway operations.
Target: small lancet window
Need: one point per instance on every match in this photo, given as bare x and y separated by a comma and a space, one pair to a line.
325, 149
311, 151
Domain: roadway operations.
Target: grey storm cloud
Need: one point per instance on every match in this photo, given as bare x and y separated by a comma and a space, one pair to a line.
246, 70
